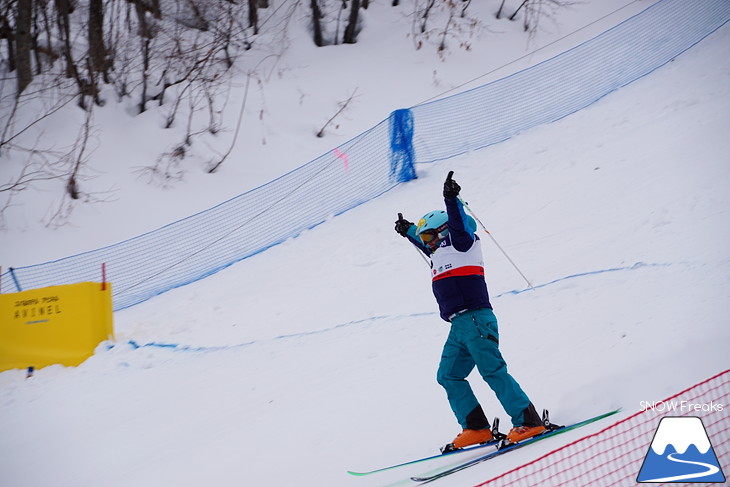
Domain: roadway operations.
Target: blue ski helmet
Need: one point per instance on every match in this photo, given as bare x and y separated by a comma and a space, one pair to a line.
433, 228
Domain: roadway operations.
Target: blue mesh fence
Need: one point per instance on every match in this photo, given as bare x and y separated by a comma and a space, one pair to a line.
202, 244
566, 83
383, 157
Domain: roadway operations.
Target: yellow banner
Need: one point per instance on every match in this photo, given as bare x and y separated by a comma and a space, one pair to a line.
54, 325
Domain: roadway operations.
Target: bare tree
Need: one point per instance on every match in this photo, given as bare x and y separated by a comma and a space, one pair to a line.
7, 32
458, 26
351, 29
146, 34
78, 156
98, 57
176, 52
536, 10
466, 6
343, 106
253, 15
317, 23
442, 45
424, 15
499, 12
172, 56
215, 165
23, 44
514, 14
63, 11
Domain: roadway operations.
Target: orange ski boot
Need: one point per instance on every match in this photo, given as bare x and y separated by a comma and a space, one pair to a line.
520, 433
467, 438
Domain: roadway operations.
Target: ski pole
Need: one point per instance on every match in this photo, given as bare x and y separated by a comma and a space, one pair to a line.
425, 259
495, 241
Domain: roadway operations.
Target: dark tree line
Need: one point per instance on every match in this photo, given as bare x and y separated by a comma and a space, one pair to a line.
328, 18
88, 35
136, 43
173, 53
146, 44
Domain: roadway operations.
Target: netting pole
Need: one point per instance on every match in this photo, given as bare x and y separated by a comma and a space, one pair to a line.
15, 279
103, 276
402, 154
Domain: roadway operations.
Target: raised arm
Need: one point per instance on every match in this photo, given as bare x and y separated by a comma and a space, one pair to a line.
462, 236
407, 229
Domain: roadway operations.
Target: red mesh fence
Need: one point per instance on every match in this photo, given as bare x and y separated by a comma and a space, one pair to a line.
614, 455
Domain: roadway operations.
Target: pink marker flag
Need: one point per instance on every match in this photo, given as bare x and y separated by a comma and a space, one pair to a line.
343, 156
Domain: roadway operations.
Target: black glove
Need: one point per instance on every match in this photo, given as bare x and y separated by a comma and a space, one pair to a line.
451, 188
402, 225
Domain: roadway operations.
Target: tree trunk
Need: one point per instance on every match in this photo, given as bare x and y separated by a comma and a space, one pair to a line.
426, 12
97, 51
63, 9
23, 44
316, 17
9, 35
35, 32
145, 35
512, 17
499, 12
253, 15
351, 29
463, 9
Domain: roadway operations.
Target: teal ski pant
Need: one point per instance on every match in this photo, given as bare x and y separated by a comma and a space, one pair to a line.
473, 341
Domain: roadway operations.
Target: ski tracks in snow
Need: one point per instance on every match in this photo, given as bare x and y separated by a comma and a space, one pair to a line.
178, 347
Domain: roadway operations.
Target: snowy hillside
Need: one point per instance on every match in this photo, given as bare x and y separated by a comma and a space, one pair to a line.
294, 89
320, 354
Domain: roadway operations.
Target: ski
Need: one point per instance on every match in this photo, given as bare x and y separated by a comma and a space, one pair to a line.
506, 448
498, 437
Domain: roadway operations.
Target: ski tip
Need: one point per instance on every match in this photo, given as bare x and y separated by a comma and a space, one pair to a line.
357, 474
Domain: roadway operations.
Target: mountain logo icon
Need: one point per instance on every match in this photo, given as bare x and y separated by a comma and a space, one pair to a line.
680, 452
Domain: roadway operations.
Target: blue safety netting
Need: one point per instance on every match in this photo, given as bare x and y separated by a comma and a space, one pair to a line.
197, 246
383, 157
562, 85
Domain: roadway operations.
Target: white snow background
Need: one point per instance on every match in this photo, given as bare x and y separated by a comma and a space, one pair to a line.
319, 355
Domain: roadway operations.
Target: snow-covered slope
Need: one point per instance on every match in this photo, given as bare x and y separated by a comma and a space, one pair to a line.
319, 355
294, 89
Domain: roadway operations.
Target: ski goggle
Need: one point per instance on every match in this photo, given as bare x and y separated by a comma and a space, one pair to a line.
432, 234
428, 236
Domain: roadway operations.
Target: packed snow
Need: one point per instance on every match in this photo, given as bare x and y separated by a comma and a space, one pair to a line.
319, 355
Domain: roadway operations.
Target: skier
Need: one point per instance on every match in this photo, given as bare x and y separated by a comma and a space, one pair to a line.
449, 239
